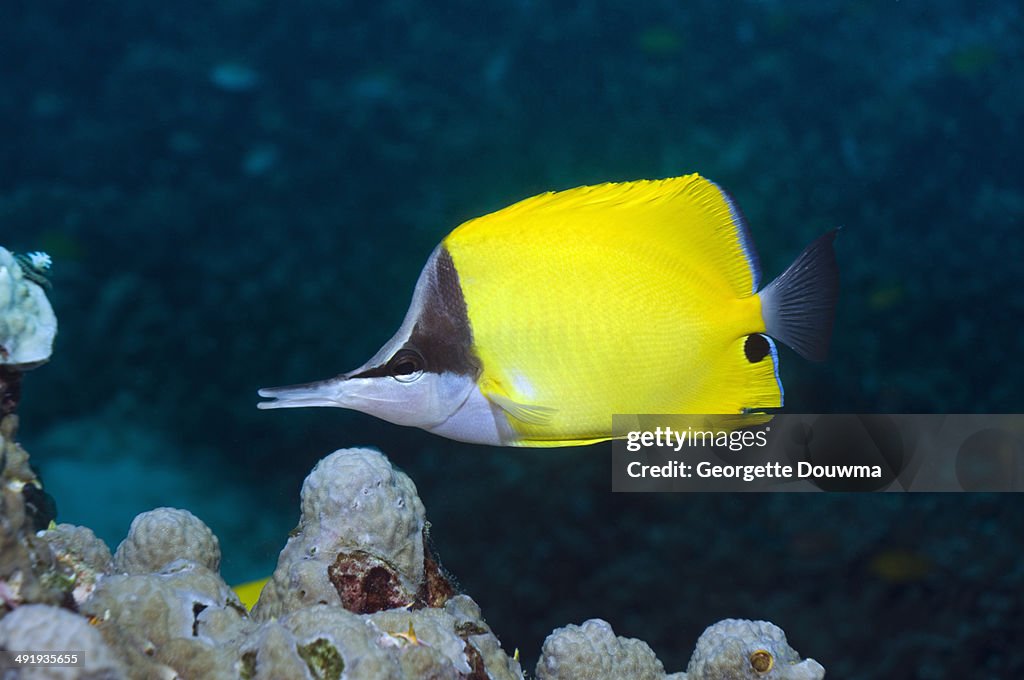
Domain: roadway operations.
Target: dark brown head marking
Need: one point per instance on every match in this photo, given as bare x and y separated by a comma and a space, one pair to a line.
441, 340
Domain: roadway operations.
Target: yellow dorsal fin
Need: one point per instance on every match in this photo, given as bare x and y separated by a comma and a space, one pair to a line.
688, 214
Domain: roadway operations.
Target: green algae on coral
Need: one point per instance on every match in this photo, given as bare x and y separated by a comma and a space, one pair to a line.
323, 660
248, 665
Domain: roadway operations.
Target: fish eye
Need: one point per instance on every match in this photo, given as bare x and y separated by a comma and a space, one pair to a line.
406, 366
762, 661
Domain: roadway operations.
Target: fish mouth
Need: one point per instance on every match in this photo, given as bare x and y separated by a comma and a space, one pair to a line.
319, 393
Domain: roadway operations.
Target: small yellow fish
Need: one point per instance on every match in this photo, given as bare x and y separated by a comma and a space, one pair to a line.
531, 326
250, 591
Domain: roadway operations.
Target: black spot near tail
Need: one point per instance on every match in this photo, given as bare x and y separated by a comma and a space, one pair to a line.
756, 348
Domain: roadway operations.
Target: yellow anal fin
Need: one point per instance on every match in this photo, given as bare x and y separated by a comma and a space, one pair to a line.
531, 442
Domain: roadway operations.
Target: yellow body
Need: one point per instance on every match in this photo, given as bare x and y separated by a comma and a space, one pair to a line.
617, 298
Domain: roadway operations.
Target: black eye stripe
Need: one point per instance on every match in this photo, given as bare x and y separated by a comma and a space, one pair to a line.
442, 331
440, 338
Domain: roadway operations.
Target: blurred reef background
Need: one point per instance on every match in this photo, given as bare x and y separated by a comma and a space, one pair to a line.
241, 194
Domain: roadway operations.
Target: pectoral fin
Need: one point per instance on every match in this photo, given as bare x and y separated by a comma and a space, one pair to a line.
527, 413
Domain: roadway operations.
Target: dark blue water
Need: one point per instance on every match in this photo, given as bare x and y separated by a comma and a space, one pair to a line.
241, 194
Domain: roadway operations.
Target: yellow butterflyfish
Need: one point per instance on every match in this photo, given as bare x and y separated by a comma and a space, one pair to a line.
532, 325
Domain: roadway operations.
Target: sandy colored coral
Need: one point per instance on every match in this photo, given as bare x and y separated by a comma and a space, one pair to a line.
355, 499
28, 570
158, 607
27, 323
80, 543
80, 557
271, 653
359, 543
737, 649
184, 617
483, 648
164, 535
44, 628
592, 651
331, 636
431, 628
